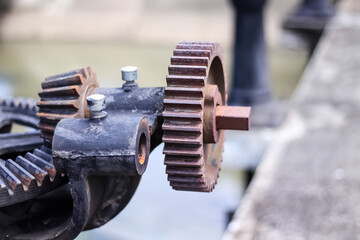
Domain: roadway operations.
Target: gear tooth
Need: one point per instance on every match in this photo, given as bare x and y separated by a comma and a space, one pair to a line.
7, 102
53, 117
12, 103
191, 186
183, 116
170, 125
62, 80
11, 181
186, 70
184, 171
182, 139
68, 106
199, 43
66, 91
25, 177
190, 81
195, 46
184, 104
194, 163
180, 150
192, 61
176, 91
183, 101
2, 184
44, 155
192, 53
46, 150
42, 164
37, 172
186, 179
17, 103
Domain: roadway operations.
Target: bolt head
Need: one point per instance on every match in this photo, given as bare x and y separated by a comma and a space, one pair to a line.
96, 102
129, 73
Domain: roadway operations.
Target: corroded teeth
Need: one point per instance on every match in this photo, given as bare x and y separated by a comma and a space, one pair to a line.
11, 181
44, 155
185, 157
41, 163
63, 96
28, 176
36, 171
25, 177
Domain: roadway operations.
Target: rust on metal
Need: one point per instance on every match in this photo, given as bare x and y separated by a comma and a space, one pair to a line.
64, 96
232, 118
186, 112
194, 112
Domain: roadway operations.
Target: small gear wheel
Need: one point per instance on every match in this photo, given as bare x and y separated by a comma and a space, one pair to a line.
193, 144
64, 96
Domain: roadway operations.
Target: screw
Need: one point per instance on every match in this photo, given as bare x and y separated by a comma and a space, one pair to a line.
129, 73
96, 105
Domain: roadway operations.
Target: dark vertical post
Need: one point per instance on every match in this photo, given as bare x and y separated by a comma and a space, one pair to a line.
5, 7
250, 73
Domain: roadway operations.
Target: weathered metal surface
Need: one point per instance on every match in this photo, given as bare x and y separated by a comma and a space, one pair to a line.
147, 102
118, 145
12, 143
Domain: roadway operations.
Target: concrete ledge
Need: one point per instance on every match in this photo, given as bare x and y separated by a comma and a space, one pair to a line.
308, 185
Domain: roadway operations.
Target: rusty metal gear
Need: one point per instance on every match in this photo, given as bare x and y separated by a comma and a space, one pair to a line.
28, 176
28, 171
64, 96
193, 152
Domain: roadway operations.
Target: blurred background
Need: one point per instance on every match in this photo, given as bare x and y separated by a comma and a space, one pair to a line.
39, 38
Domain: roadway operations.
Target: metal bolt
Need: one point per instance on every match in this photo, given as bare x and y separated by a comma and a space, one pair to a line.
96, 105
129, 73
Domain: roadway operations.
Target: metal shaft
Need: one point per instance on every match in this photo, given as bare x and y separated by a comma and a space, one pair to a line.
232, 118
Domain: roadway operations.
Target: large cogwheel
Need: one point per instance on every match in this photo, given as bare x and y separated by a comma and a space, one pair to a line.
64, 96
193, 145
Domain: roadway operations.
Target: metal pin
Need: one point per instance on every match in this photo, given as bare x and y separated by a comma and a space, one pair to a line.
129, 73
96, 105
